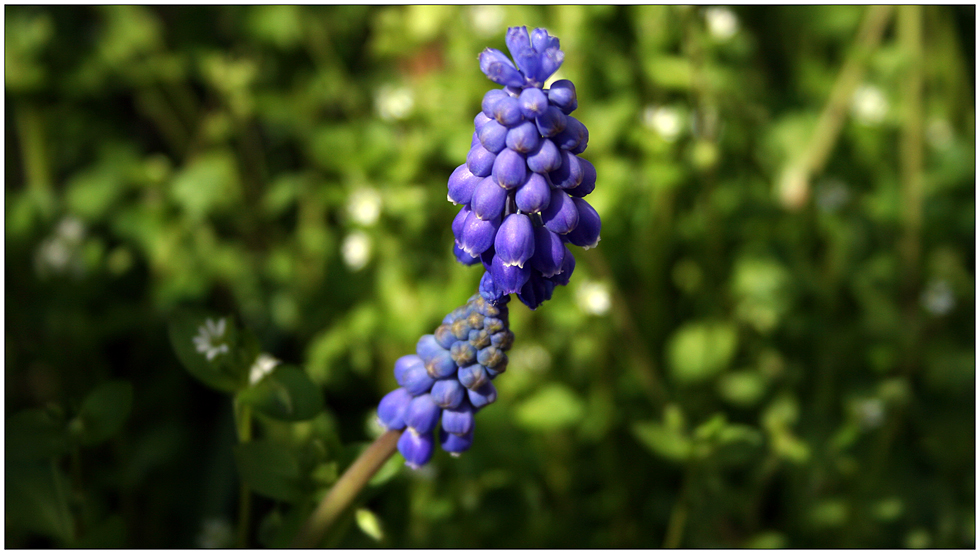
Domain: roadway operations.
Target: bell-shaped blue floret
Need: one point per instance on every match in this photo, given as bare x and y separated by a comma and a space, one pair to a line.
514, 243
536, 291
472, 376
549, 252
488, 290
422, 414
404, 363
570, 174
567, 267
464, 258
441, 365
586, 233
455, 444
523, 137
562, 215
480, 161
534, 194
459, 421
507, 111
574, 135
415, 379
459, 222
533, 102
427, 347
462, 182
517, 41
493, 136
489, 99
562, 94
489, 199
509, 278
416, 447
478, 234
444, 336
391, 409
448, 393
588, 179
483, 396
545, 158
552, 122
510, 169
541, 40
495, 65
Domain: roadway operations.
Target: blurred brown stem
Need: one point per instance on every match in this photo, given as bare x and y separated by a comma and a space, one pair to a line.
825, 136
345, 490
910, 37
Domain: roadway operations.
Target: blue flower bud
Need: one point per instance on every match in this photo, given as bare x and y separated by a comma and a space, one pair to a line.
509, 278
416, 448
474, 140
391, 409
570, 174
479, 338
404, 363
455, 444
533, 102
422, 414
567, 267
534, 194
549, 252
588, 179
586, 233
483, 396
491, 357
488, 290
503, 339
475, 320
562, 94
583, 144
493, 136
517, 41
489, 199
545, 159
444, 335
481, 117
441, 365
462, 182
509, 169
549, 61
480, 161
514, 243
573, 135
478, 234
472, 376
551, 122
495, 65
536, 291
460, 329
494, 325
463, 353
459, 421
427, 347
458, 223
448, 393
541, 40
507, 111
464, 258
416, 379
489, 99
561, 216
523, 137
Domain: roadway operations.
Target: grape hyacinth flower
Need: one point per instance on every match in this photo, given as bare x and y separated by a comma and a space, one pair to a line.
523, 183
448, 380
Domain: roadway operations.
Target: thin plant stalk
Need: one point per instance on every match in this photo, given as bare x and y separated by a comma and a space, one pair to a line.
244, 420
346, 489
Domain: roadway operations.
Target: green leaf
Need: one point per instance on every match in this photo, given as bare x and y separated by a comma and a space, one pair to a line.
225, 371
271, 469
103, 412
287, 394
553, 407
36, 498
699, 351
35, 434
665, 442
369, 523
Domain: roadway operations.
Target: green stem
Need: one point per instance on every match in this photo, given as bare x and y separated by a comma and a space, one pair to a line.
243, 415
34, 152
910, 37
678, 514
345, 490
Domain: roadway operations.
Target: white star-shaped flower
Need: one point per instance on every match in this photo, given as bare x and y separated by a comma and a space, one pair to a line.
209, 340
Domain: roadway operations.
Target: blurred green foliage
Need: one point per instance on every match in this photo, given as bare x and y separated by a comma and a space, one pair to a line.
768, 349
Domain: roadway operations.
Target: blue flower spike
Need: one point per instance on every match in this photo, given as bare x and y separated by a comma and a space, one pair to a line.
448, 380
525, 161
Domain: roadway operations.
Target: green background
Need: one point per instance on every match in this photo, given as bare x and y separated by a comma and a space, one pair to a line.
773, 345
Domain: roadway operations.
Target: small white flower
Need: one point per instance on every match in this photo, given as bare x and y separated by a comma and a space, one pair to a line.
394, 102
938, 298
665, 121
356, 250
71, 229
209, 338
870, 413
722, 23
869, 105
593, 298
364, 206
486, 20
215, 533
263, 365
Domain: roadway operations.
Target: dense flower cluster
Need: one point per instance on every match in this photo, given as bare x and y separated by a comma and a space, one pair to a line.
523, 183
448, 380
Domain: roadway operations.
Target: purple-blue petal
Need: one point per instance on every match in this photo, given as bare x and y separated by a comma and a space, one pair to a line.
567, 267
545, 159
464, 258
533, 102
562, 94
507, 111
455, 444
472, 376
391, 409
552, 122
570, 174
534, 194
462, 182
448, 393
441, 365
478, 234
415, 379
422, 414
588, 179
483, 396
489, 199
509, 278
404, 363
493, 136
510, 169
460, 420
480, 161
549, 252
561, 216
523, 137
427, 348
514, 243
586, 233
416, 448
517, 40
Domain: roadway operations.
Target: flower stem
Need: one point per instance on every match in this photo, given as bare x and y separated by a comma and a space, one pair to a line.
345, 490
243, 418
